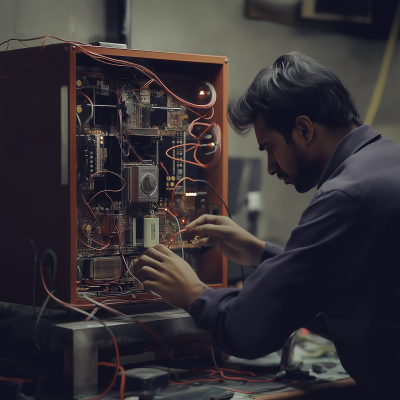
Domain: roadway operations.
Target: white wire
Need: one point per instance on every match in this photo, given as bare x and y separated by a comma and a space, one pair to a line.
212, 352
180, 235
80, 124
38, 319
90, 116
133, 276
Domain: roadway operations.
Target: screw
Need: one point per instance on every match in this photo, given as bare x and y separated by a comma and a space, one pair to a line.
66, 48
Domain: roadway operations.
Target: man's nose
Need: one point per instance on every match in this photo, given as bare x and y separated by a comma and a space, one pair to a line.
273, 165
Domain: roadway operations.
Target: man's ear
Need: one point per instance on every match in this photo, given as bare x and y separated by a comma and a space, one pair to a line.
303, 131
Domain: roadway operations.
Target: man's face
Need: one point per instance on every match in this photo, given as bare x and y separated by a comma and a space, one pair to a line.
290, 162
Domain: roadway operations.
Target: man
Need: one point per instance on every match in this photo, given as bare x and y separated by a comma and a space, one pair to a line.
339, 273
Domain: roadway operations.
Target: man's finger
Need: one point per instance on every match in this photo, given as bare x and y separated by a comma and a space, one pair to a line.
160, 248
156, 253
205, 219
145, 260
153, 286
148, 273
208, 230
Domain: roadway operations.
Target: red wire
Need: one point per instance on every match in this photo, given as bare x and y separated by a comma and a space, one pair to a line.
269, 390
163, 167
42, 47
195, 146
15, 380
176, 233
116, 62
106, 190
133, 150
117, 365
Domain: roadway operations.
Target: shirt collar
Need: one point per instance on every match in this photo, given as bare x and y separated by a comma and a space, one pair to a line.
349, 145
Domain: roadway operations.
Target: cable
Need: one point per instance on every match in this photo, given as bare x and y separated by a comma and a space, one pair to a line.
106, 190
34, 278
133, 276
129, 318
383, 73
116, 62
92, 111
70, 306
179, 231
216, 131
172, 238
38, 319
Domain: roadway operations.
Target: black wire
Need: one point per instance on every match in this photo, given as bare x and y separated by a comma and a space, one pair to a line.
227, 209
34, 278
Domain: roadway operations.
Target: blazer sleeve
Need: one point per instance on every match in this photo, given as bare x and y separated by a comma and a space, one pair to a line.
288, 289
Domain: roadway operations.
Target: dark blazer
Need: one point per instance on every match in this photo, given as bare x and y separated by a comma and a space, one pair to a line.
342, 262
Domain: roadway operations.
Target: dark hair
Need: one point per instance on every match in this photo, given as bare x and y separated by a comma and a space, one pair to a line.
294, 85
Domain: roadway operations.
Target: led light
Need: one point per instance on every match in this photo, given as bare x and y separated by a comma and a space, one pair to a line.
190, 194
204, 93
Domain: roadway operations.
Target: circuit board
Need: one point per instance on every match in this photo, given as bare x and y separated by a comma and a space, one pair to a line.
137, 146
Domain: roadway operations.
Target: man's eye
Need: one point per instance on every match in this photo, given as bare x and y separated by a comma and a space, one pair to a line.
268, 149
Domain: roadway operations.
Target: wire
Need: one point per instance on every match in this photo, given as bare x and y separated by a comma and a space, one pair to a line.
383, 73
91, 113
106, 190
163, 167
116, 62
179, 231
216, 131
264, 390
129, 318
38, 319
34, 277
2, 378
134, 151
172, 238
70, 306
25, 66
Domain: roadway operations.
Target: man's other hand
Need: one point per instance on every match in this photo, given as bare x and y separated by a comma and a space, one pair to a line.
228, 237
165, 273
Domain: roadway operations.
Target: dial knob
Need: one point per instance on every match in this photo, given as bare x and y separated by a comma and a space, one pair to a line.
148, 183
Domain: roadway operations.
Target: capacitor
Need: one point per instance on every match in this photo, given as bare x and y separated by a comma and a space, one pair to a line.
151, 231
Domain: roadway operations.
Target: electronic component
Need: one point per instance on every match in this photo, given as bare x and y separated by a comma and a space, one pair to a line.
151, 231
141, 183
101, 267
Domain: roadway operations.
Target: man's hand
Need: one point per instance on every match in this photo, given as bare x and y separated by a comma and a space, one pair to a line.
165, 273
228, 237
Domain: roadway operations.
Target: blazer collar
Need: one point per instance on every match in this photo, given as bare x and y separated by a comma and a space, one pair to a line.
349, 145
